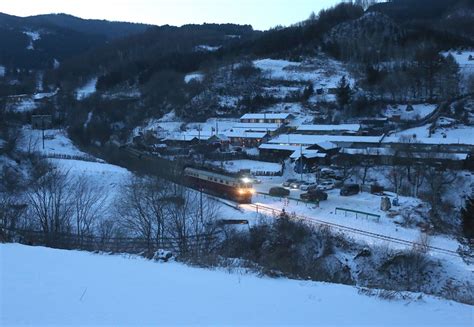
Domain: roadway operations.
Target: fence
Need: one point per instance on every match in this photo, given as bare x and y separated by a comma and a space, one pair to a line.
71, 157
367, 214
133, 245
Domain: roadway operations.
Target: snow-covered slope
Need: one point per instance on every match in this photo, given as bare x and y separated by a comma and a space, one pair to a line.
43, 286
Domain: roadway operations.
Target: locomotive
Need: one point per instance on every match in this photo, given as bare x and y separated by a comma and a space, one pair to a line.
235, 188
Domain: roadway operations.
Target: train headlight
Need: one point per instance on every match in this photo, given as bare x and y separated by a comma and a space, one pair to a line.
246, 180
252, 191
240, 191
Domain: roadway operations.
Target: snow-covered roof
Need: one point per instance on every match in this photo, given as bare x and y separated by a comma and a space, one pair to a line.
325, 128
186, 136
257, 127
282, 147
316, 139
246, 135
267, 116
432, 140
369, 151
392, 152
326, 145
309, 154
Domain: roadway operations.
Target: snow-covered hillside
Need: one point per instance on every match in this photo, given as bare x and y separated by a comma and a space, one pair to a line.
43, 286
87, 89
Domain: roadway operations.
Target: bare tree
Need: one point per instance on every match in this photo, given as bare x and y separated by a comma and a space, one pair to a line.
89, 206
191, 219
142, 209
51, 201
396, 176
437, 181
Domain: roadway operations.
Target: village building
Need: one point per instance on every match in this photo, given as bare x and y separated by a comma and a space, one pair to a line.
326, 129
269, 128
246, 139
268, 118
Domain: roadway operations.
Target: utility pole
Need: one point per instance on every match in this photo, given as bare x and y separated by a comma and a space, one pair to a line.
42, 128
301, 162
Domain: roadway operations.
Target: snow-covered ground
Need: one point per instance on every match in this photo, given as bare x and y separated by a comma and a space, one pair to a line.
56, 142
209, 48
34, 36
170, 124
196, 76
87, 89
21, 104
322, 73
460, 132
462, 58
419, 111
76, 162
41, 286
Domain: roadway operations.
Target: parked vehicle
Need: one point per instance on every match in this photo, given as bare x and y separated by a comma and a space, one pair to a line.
308, 186
256, 180
279, 191
350, 189
296, 185
314, 196
288, 182
326, 185
327, 173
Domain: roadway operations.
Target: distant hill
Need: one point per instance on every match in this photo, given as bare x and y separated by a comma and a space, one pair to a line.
453, 15
111, 30
56, 37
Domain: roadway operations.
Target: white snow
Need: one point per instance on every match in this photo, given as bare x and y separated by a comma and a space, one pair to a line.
321, 72
422, 131
41, 286
196, 76
56, 63
87, 89
420, 111
34, 36
209, 48
56, 142
460, 133
22, 104
466, 66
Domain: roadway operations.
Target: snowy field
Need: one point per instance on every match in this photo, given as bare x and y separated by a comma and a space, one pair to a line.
109, 177
420, 111
41, 286
462, 58
170, 124
56, 142
322, 73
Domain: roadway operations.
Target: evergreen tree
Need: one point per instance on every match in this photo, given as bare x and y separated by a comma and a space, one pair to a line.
467, 215
308, 91
343, 92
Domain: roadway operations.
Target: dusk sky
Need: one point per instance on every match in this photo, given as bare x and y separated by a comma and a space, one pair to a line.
261, 14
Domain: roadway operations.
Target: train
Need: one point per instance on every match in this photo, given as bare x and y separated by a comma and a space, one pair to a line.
235, 188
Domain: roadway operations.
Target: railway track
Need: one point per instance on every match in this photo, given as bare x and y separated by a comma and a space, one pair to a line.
346, 229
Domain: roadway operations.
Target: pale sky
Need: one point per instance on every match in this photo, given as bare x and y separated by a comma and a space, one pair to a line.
261, 14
